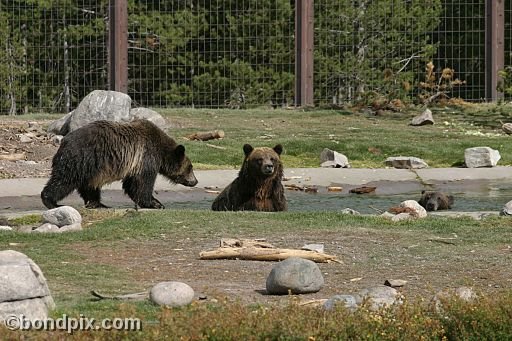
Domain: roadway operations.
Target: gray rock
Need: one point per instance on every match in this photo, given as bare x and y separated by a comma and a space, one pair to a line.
395, 283
23, 288
424, 119
61, 216
507, 209
401, 217
60, 126
24, 138
331, 159
380, 296
57, 139
314, 247
347, 301
72, 227
464, 294
481, 157
101, 105
172, 294
5, 228
297, 275
148, 114
414, 205
47, 228
405, 162
349, 211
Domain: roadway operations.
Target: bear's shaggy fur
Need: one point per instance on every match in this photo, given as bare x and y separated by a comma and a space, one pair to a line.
433, 201
103, 152
258, 186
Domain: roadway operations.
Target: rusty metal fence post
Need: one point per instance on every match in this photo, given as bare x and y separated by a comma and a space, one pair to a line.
494, 47
118, 46
304, 53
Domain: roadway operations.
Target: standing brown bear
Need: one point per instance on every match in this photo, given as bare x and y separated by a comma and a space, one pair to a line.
103, 152
433, 201
258, 186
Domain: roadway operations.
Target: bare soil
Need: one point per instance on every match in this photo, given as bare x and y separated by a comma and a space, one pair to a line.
26, 149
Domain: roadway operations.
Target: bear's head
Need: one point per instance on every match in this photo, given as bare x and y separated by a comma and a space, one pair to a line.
433, 201
263, 162
179, 168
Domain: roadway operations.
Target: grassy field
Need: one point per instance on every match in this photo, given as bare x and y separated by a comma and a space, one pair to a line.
123, 252
366, 140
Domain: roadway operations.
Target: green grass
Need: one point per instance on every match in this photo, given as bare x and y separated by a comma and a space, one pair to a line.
304, 134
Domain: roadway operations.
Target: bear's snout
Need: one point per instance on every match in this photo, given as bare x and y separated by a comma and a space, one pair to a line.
431, 206
268, 169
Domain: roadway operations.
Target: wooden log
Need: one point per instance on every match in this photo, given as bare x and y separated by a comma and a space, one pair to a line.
208, 135
233, 242
266, 254
13, 157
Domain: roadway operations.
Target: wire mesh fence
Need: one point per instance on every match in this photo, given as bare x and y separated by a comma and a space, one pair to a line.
240, 53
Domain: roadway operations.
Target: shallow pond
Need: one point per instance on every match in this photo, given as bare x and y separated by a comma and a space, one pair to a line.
469, 197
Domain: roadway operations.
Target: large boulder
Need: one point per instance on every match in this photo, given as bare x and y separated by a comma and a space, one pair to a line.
62, 216
481, 157
101, 105
148, 114
424, 119
23, 288
295, 275
379, 296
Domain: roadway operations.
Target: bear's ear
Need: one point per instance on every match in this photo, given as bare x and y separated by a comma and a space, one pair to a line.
278, 149
180, 151
248, 149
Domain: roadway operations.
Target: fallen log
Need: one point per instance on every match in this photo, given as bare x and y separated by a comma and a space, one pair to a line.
266, 254
13, 157
205, 136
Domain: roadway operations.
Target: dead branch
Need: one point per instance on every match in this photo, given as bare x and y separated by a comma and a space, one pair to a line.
138, 296
205, 136
266, 254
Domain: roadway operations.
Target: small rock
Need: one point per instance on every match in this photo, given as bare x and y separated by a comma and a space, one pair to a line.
349, 211
414, 205
507, 209
25, 139
401, 217
395, 283
465, 294
5, 228
172, 294
57, 139
424, 119
405, 162
47, 228
332, 159
348, 301
314, 247
72, 227
61, 216
297, 275
380, 296
481, 157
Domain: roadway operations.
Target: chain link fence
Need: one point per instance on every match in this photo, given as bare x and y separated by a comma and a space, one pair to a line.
240, 53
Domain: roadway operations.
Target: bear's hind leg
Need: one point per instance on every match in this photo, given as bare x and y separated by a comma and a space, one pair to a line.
54, 191
140, 191
92, 197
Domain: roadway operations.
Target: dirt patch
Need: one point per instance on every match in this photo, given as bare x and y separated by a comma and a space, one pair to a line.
370, 257
26, 149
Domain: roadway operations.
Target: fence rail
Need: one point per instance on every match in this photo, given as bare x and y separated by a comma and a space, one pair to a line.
242, 53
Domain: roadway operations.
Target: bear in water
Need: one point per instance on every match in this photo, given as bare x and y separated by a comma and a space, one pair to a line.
258, 186
433, 201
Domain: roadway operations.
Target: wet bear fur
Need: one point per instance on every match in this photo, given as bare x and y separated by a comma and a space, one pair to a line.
103, 152
433, 200
258, 186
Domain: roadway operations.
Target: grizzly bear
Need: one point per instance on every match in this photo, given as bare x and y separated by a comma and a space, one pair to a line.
103, 152
433, 201
258, 186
